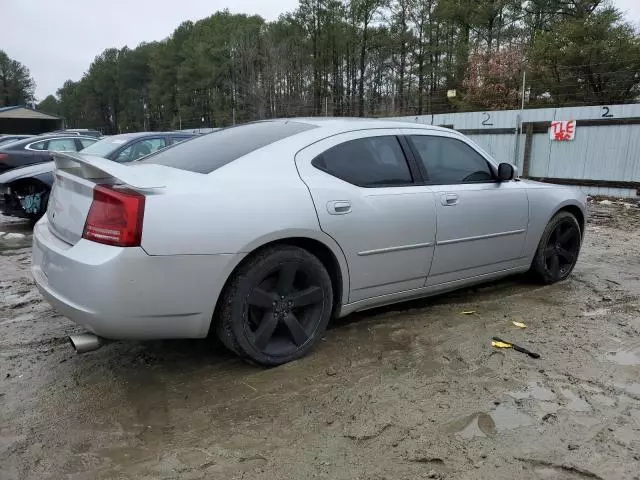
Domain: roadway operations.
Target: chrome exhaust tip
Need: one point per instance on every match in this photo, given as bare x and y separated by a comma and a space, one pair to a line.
86, 342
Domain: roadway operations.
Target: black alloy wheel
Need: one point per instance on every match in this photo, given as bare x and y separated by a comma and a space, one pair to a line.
276, 306
559, 248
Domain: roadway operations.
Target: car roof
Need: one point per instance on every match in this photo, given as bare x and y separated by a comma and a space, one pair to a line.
351, 123
133, 135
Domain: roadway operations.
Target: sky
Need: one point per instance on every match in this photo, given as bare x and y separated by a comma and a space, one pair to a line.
58, 39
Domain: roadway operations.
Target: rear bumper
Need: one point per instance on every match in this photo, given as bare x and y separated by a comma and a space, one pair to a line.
123, 293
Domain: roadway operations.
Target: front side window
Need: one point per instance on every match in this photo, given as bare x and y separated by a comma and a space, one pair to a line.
141, 149
62, 145
448, 161
367, 162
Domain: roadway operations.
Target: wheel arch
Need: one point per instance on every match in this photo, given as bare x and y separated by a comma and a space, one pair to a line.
574, 209
319, 244
28, 181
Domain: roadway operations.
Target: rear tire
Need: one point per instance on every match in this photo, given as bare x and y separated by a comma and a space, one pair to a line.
276, 306
558, 249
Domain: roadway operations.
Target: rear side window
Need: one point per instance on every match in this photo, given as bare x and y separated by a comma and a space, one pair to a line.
367, 162
449, 161
209, 152
38, 145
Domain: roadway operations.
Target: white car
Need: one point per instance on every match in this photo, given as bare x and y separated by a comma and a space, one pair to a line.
263, 232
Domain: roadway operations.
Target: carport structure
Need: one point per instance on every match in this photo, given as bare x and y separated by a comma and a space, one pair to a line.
24, 120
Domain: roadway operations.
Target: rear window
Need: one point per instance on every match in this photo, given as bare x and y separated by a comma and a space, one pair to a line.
209, 152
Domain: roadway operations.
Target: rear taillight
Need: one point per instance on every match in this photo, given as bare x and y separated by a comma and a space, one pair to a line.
3, 156
115, 217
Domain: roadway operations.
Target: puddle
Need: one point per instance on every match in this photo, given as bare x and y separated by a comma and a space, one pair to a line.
535, 391
477, 425
483, 424
624, 357
576, 403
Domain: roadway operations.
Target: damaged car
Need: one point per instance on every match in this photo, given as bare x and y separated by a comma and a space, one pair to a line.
24, 192
262, 233
25, 172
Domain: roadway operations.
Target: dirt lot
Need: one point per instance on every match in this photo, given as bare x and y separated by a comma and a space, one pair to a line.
413, 391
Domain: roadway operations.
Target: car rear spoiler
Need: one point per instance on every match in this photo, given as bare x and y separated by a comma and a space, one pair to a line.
90, 167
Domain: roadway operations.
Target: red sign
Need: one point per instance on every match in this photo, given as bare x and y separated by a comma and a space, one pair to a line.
563, 131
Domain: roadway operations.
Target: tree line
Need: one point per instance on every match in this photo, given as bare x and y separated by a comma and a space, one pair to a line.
16, 85
361, 58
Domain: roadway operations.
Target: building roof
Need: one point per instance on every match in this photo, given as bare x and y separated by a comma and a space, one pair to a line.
20, 111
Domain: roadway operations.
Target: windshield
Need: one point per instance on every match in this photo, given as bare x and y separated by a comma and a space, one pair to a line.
106, 146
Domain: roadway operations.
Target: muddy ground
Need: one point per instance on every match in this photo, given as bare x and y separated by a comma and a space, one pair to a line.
408, 392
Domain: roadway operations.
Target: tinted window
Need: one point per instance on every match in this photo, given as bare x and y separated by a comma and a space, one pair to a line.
367, 162
141, 149
209, 152
449, 161
62, 145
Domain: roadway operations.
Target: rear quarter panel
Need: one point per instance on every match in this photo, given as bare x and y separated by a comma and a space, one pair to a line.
236, 209
229, 210
545, 201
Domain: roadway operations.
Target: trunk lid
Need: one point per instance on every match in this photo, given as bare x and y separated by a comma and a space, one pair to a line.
76, 175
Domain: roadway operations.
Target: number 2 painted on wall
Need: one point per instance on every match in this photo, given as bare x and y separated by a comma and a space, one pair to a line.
486, 121
606, 113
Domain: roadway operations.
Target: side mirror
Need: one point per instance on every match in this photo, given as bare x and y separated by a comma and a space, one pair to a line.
506, 172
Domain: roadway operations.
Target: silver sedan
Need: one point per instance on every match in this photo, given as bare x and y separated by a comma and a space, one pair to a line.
262, 233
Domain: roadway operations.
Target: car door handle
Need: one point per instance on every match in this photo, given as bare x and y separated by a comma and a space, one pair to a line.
339, 207
449, 199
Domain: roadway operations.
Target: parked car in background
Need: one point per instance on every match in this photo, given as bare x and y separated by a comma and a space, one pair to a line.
24, 192
128, 147
263, 232
200, 131
4, 139
78, 131
25, 172
37, 149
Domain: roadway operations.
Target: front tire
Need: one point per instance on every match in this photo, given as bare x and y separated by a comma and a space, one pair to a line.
276, 306
558, 249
